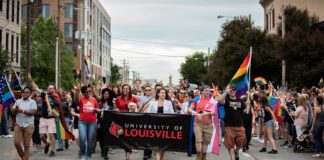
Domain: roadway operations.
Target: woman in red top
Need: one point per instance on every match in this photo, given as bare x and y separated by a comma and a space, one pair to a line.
122, 105
88, 120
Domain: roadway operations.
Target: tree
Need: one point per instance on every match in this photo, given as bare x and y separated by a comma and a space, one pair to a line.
4, 61
302, 48
115, 75
236, 38
194, 68
43, 34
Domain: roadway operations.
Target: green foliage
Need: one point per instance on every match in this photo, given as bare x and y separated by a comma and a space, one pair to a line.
297, 18
4, 61
302, 48
43, 35
115, 75
236, 38
194, 68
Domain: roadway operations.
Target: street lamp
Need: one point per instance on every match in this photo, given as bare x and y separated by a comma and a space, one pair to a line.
222, 16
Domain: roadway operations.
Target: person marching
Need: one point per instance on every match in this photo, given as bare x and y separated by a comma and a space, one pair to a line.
161, 105
25, 109
203, 127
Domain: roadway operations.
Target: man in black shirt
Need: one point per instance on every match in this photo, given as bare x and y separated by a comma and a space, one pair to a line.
234, 130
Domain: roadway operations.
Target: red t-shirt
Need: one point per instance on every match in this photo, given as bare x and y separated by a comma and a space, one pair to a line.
122, 103
86, 109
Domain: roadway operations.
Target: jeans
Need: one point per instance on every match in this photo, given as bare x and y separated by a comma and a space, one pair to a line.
222, 125
61, 142
318, 130
36, 136
87, 131
4, 124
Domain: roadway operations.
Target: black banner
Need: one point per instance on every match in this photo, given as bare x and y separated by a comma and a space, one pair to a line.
148, 130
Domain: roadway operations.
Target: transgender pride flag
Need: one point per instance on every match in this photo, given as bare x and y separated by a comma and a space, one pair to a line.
241, 77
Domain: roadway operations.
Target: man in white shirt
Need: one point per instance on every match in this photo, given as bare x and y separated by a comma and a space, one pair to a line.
24, 108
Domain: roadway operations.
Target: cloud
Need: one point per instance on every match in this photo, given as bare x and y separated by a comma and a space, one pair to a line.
170, 21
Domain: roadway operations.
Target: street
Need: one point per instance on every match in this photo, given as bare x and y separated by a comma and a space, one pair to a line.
8, 152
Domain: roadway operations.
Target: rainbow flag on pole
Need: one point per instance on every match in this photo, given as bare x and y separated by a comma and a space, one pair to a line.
241, 77
6, 96
216, 91
276, 106
15, 85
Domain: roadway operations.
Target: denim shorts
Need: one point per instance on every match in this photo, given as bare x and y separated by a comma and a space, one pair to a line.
270, 124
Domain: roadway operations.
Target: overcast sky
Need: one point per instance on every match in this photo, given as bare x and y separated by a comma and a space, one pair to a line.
190, 24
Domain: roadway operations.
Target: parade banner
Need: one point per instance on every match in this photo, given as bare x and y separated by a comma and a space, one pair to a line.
171, 132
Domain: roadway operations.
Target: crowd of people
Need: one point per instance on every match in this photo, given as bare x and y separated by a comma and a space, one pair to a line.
300, 124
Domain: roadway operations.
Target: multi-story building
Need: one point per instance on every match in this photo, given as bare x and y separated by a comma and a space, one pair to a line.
272, 11
85, 25
10, 21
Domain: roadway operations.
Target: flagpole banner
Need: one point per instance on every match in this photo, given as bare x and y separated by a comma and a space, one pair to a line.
147, 130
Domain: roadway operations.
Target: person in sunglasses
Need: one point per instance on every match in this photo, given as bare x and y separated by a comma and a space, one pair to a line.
25, 109
235, 138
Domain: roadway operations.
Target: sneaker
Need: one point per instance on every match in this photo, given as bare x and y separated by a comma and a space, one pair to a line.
52, 154
261, 140
244, 150
284, 144
134, 150
263, 150
290, 145
223, 140
67, 145
316, 155
46, 148
145, 158
273, 151
237, 156
8, 136
59, 149
111, 151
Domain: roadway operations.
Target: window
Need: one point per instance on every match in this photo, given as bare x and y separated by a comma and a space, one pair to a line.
13, 11
1, 38
12, 47
273, 18
68, 29
17, 49
7, 42
24, 11
45, 10
68, 10
1, 5
18, 10
8, 8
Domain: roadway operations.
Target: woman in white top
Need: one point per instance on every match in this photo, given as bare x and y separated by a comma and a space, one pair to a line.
160, 105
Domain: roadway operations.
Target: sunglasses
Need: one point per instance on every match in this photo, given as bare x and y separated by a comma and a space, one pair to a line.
148, 90
232, 89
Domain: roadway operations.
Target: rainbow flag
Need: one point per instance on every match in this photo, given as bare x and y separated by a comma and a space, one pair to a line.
216, 91
6, 96
147, 104
270, 89
62, 131
15, 85
276, 106
240, 79
260, 81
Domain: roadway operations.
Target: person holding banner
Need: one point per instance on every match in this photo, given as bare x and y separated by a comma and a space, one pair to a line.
122, 105
161, 105
234, 131
88, 120
203, 127
25, 109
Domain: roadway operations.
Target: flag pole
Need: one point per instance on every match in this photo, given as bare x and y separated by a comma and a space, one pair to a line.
250, 64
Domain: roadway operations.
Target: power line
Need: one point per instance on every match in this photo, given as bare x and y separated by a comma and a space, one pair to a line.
143, 53
150, 42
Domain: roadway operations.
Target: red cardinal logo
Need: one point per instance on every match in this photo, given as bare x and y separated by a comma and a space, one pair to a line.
116, 129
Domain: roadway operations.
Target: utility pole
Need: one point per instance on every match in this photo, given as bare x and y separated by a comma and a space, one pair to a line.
57, 63
124, 71
58, 45
283, 30
28, 59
